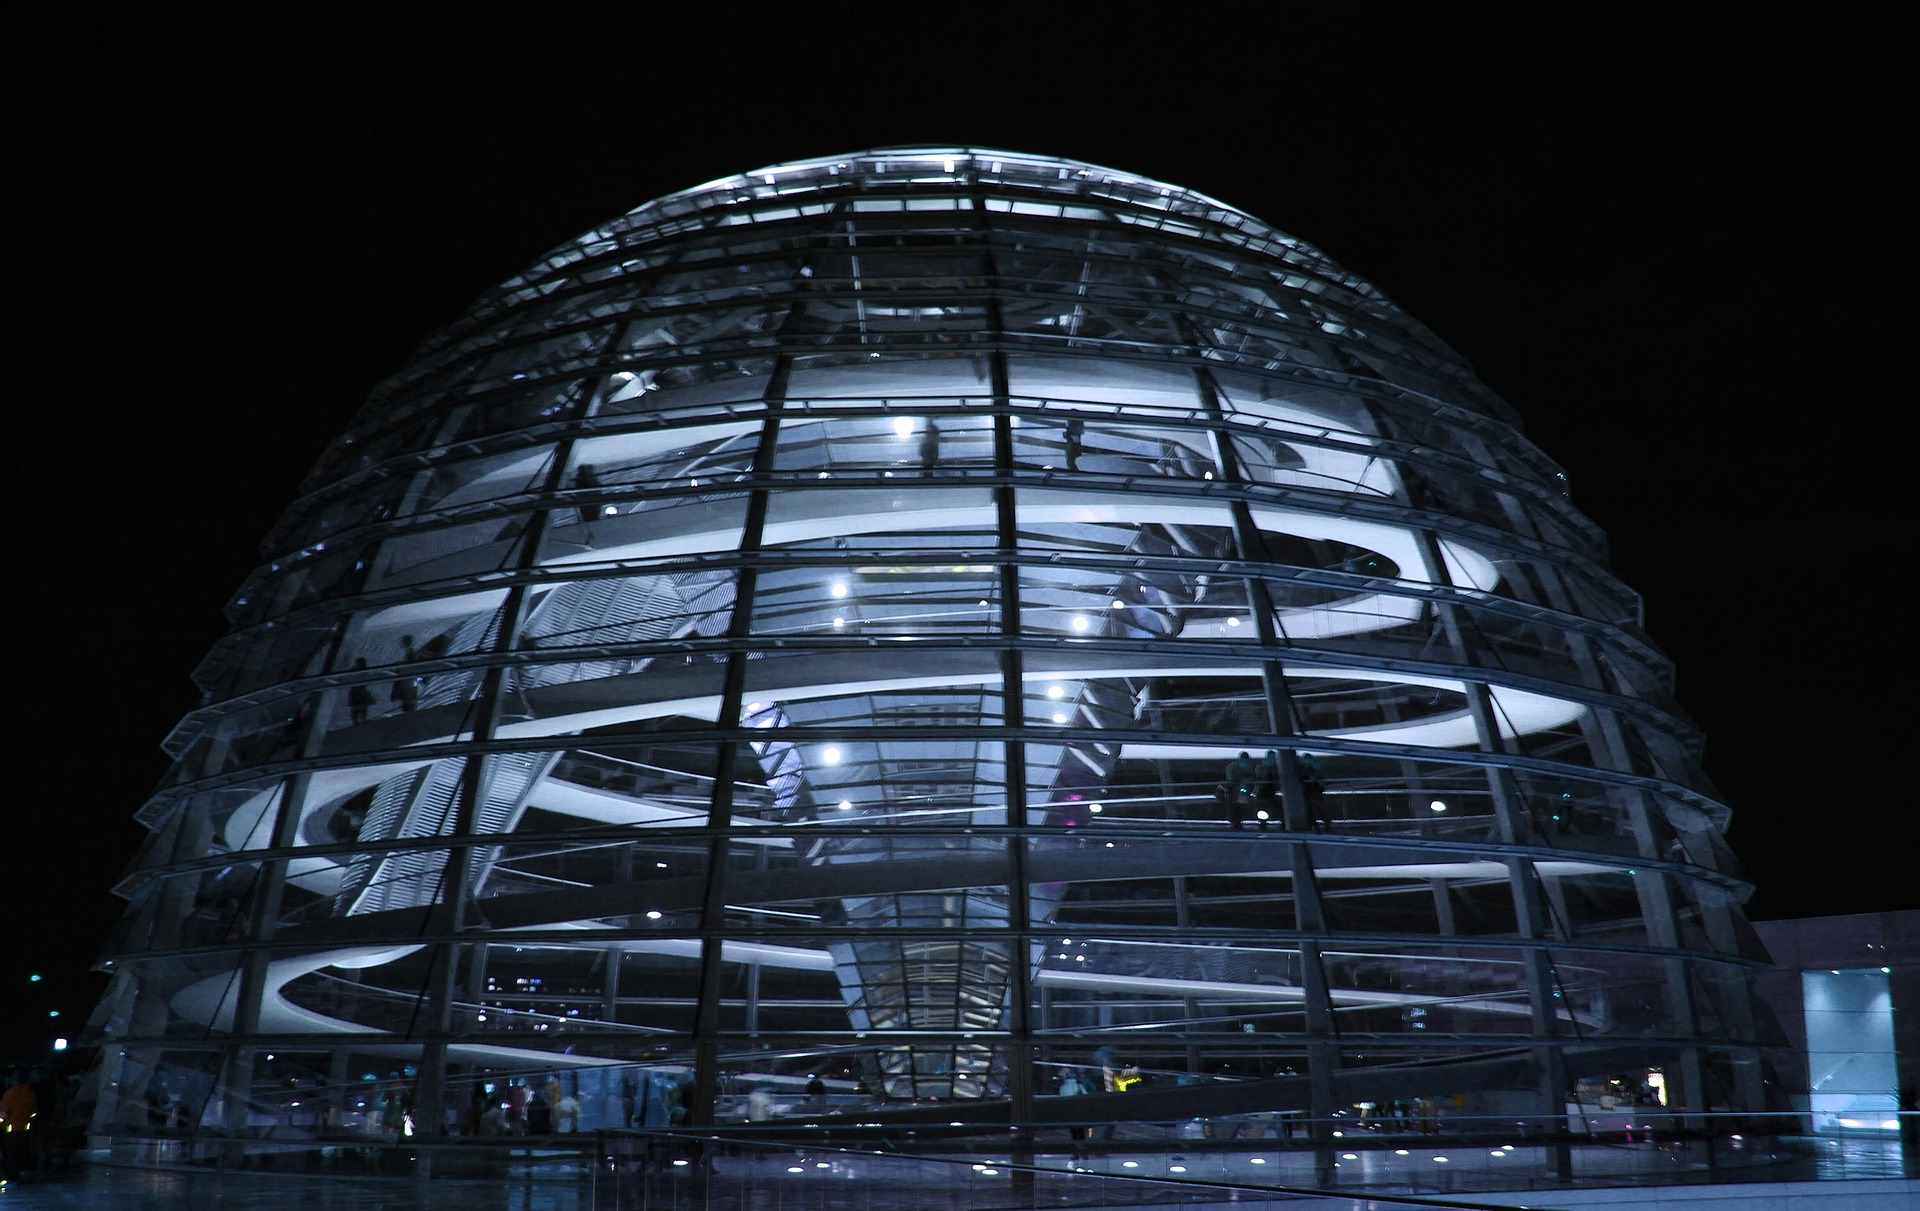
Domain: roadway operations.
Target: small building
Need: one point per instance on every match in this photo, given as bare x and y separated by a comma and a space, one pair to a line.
1846, 991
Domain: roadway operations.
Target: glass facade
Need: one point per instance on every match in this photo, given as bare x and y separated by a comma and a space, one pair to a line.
929, 627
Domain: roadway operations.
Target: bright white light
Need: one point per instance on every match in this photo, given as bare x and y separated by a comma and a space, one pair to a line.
821, 1165
59, 1044
1080, 622
989, 1173
1440, 1160
1054, 691
653, 914
839, 588
1259, 1160
903, 425
1094, 808
846, 805
1233, 622
1399, 1151
681, 1163
1349, 1156
830, 755
1176, 1168
1437, 806
795, 1169
1129, 1164
948, 163
608, 510
1059, 717
839, 623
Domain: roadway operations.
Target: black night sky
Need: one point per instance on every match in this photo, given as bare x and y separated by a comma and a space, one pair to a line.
1670, 242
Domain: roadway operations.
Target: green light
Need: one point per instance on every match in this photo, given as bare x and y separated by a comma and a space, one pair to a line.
34, 978
53, 1013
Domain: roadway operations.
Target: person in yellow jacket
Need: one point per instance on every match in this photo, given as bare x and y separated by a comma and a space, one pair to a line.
19, 1106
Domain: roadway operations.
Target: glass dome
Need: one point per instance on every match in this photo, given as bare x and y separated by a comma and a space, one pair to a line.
924, 631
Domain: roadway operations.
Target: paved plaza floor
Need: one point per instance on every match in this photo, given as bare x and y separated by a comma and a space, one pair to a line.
799, 1179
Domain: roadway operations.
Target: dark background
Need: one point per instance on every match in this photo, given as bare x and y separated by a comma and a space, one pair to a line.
1669, 241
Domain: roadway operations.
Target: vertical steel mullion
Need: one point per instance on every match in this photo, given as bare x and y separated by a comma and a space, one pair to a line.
1253, 550
713, 905
1021, 948
1530, 905
456, 881
1013, 755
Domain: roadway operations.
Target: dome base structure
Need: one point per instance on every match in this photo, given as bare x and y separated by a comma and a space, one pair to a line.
929, 632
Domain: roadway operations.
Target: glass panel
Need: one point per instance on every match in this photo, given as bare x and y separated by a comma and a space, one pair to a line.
1135, 603
424, 628
631, 609
848, 778
1389, 797
281, 654
273, 731
830, 376
1603, 905
689, 456
1283, 405
1134, 385
1159, 994
615, 782
450, 484
654, 526
1271, 458
1092, 446
733, 387
1148, 781
923, 518
1086, 521
927, 599
640, 692
445, 552
886, 445
1406, 989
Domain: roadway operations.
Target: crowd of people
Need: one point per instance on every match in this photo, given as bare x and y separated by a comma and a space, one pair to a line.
1253, 791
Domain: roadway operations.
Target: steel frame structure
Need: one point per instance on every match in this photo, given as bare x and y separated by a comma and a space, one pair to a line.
800, 628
